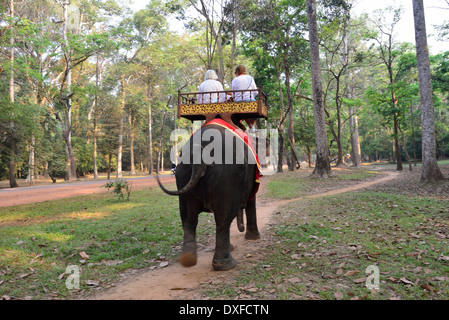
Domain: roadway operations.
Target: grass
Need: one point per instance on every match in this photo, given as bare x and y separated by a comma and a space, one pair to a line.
320, 249
102, 176
38, 242
290, 185
317, 249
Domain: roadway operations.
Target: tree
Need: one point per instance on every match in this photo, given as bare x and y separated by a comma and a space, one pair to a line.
388, 54
273, 36
430, 169
216, 14
322, 165
337, 41
12, 163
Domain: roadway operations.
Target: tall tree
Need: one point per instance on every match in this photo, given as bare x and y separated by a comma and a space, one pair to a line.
216, 14
12, 163
273, 35
322, 164
388, 55
65, 94
430, 169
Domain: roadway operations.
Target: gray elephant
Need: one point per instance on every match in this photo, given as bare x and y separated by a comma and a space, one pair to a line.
218, 173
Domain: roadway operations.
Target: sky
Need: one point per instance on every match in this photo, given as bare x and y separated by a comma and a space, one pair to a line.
434, 12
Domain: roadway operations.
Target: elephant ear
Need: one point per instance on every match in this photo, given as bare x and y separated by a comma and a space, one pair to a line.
198, 171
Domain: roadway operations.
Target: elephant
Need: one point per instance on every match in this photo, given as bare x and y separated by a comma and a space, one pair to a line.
213, 183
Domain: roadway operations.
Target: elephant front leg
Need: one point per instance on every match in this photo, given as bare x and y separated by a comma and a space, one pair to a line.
223, 259
252, 231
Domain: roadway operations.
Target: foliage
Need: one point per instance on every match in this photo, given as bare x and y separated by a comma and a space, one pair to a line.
128, 66
119, 186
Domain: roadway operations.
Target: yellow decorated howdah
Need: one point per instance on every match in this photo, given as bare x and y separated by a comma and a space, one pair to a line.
237, 103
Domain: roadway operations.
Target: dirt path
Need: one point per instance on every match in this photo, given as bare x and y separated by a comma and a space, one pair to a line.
176, 282
27, 195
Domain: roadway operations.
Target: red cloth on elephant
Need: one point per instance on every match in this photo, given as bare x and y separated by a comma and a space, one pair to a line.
248, 141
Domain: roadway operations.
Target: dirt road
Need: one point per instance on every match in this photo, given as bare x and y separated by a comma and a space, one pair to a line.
27, 195
177, 282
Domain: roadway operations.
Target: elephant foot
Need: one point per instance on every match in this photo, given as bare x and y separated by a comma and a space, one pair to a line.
252, 235
188, 259
224, 264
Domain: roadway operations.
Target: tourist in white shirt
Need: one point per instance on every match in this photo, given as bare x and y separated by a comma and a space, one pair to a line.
210, 84
242, 81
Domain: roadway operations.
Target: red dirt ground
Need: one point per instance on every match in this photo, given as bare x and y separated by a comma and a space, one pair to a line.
27, 195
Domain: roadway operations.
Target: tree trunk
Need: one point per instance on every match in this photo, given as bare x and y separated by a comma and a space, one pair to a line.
12, 167
120, 136
281, 129
67, 100
404, 147
413, 133
430, 170
322, 165
221, 71
30, 177
109, 165
355, 141
309, 156
94, 157
12, 162
291, 136
97, 84
131, 146
150, 136
235, 26
397, 148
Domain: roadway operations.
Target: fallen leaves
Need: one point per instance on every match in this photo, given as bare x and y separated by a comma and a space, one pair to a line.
338, 295
404, 280
93, 283
427, 287
360, 280
351, 273
294, 280
443, 257
84, 255
418, 254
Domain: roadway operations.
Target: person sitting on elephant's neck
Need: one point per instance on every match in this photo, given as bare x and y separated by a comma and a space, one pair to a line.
211, 84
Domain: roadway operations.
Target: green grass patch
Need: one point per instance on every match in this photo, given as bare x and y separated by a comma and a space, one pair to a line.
38, 242
356, 175
285, 188
321, 248
289, 185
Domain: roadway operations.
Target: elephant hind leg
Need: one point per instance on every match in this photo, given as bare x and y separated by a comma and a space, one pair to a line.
252, 231
189, 216
223, 260
189, 255
240, 224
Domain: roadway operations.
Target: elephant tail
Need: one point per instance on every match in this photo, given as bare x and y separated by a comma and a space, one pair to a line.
198, 172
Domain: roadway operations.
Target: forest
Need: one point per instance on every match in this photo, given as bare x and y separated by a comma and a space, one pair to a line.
91, 86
